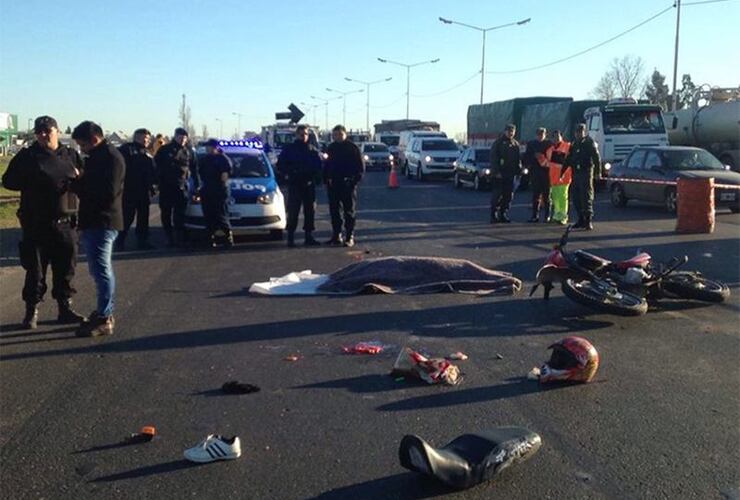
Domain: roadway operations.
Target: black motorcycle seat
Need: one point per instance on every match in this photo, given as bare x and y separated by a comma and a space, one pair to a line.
471, 458
590, 260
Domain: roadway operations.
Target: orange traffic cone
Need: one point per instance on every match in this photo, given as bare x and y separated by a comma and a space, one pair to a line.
392, 178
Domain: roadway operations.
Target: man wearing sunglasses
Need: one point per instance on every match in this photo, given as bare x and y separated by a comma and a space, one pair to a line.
43, 173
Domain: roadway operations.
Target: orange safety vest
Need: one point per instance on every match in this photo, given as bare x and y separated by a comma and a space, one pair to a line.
556, 164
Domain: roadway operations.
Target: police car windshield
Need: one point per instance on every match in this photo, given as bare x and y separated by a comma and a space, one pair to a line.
690, 160
633, 122
375, 148
249, 165
439, 145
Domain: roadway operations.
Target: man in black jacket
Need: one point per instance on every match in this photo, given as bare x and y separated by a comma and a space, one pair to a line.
585, 161
535, 161
300, 165
343, 170
175, 164
43, 173
505, 165
100, 189
138, 188
214, 171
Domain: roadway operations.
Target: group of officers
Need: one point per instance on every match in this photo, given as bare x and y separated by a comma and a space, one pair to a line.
555, 167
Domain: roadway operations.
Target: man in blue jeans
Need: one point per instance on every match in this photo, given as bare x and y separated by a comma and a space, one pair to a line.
100, 189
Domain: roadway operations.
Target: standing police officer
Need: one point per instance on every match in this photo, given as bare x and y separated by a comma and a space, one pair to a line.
214, 170
175, 164
48, 212
299, 164
536, 162
138, 188
343, 170
505, 165
584, 159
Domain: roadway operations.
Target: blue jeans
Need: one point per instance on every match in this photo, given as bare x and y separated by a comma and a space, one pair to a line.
98, 245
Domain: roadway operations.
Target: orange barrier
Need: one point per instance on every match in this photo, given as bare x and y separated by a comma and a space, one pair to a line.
392, 178
695, 200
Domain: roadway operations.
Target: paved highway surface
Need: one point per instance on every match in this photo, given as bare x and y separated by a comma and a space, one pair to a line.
660, 421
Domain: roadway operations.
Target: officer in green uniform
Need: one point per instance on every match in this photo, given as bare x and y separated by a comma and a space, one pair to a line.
585, 161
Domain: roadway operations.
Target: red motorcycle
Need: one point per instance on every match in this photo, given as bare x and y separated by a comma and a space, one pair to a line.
625, 287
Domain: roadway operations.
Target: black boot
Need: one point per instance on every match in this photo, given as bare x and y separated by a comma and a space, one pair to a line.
310, 241
67, 315
580, 224
504, 217
535, 216
349, 240
229, 242
336, 240
291, 239
587, 224
31, 317
495, 218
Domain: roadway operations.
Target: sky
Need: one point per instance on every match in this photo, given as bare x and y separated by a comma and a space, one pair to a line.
127, 64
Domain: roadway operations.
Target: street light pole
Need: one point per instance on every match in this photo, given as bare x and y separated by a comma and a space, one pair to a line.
220, 128
367, 95
484, 31
408, 76
344, 101
675, 56
239, 123
326, 109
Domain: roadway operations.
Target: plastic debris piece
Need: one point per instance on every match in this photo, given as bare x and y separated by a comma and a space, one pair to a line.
400, 379
534, 374
499, 356
292, 357
236, 387
145, 434
459, 356
431, 370
364, 348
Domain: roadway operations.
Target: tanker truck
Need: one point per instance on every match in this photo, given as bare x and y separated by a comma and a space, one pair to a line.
711, 122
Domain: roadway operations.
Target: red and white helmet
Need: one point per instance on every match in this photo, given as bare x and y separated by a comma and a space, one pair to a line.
573, 359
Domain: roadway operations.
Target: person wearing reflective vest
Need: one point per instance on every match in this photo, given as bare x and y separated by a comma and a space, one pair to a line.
559, 180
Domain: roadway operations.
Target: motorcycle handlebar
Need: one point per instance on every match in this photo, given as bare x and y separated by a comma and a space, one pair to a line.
564, 238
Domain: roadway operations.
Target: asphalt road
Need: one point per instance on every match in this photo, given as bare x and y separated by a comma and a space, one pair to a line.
660, 421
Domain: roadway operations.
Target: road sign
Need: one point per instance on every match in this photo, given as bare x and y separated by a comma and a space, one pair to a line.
294, 115
9, 122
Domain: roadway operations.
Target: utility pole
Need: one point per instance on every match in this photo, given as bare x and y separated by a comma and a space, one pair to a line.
675, 56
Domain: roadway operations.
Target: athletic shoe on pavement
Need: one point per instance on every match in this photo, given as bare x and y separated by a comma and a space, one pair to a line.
214, 447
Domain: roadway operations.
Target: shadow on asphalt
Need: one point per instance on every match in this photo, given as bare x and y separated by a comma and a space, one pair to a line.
405, 485
509, 317
148, 470
365, 384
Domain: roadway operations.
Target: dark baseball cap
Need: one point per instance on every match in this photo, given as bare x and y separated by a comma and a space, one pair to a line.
181, 131
212, 143
43, 123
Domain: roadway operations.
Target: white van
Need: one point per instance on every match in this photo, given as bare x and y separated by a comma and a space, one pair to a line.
406, 137
431, 156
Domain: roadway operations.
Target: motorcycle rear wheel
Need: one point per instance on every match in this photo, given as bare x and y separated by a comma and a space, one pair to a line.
694, 286
621, 303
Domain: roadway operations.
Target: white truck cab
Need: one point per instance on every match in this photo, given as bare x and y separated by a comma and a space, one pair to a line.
622, 124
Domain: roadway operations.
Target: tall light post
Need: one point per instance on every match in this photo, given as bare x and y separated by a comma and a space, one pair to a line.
484, 31
312, 107
408, 75
326, 108
675, 56
344, 101
220, 128
239, 123
367, 95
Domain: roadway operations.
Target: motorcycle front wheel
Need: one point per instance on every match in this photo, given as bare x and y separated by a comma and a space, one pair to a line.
610, 300
694, 286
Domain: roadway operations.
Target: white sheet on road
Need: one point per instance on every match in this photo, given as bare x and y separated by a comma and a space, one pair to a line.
301, 283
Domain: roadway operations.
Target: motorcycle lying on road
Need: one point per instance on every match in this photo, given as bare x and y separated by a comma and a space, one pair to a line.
626, 287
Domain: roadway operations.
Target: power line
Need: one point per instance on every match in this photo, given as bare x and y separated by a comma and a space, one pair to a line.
448, 89
705, 1
400, 98
532, 68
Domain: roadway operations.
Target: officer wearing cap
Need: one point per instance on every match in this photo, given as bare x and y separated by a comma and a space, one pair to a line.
43, 174
585, 162
175, 164
214, 170
505, 166
138, 188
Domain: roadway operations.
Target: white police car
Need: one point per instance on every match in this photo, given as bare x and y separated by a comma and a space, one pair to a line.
256, 203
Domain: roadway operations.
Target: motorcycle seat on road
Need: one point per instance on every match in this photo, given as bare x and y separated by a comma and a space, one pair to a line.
640, 260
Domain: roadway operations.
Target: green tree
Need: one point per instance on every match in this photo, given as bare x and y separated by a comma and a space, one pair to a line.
657, 91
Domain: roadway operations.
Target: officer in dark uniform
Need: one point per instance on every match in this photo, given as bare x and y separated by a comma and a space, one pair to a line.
505, 165
343, 170
300, 165
585, 161
535, 161
175, 164
214, 170
138, 189
43, 173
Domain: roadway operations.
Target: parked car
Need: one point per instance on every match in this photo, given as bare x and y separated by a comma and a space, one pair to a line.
376, 155
473, 167
434, 156
256, 203
651, 174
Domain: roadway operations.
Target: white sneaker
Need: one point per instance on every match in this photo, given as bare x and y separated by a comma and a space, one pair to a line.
214, 448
